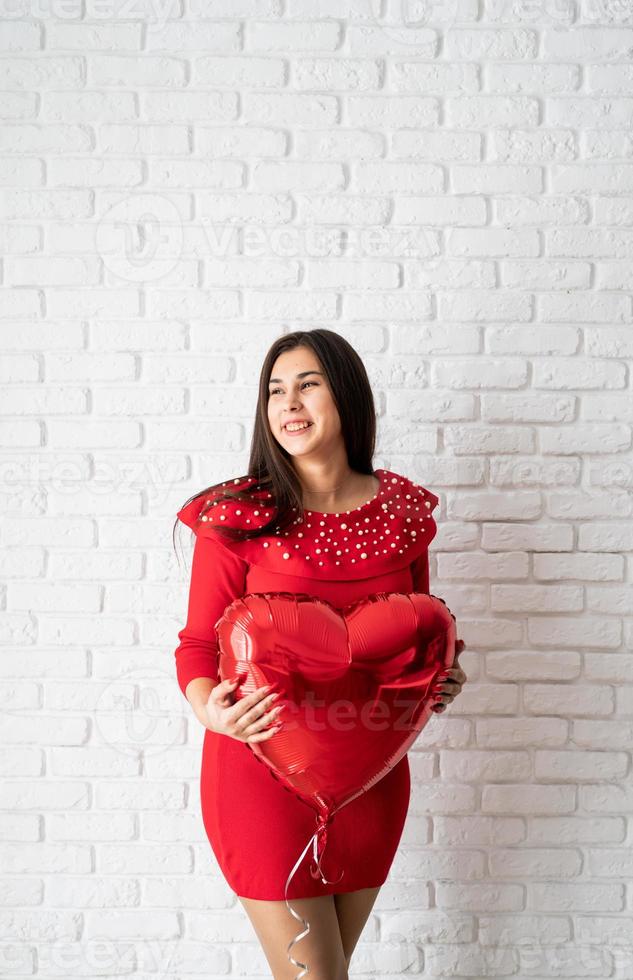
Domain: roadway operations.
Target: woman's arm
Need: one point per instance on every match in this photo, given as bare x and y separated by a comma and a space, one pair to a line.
452, 680
197, 693
420, 572
218, 576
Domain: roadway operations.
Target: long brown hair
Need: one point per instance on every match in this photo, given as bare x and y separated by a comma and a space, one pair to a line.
269, 462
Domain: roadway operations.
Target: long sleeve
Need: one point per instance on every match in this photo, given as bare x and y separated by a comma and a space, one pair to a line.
218, 577
420, 571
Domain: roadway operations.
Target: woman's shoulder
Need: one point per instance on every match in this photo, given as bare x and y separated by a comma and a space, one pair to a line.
214, 507
401, 488
389, 531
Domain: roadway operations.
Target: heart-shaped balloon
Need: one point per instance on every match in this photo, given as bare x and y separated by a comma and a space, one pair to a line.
356, 683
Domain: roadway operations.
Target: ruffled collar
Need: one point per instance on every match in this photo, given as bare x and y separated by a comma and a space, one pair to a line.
385, 533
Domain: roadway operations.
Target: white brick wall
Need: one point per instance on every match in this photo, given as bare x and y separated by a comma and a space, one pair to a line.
449, 186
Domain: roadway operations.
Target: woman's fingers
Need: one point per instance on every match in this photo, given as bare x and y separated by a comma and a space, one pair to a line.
253, 713
247, 702
261, 736
449, 682
269, 716
221, 695
267, 724
453, 676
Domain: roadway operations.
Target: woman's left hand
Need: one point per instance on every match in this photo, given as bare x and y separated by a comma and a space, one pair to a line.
449, 683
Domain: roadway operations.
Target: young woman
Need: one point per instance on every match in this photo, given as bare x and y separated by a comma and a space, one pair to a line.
311, 516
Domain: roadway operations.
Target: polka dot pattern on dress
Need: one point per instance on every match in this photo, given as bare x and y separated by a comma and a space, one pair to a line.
388, 531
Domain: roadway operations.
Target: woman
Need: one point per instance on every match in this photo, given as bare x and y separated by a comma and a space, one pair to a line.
312, 516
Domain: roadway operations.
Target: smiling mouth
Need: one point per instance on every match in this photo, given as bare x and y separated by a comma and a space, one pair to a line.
301, 428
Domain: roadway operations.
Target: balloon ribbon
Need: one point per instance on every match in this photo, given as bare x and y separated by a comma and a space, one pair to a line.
318, 841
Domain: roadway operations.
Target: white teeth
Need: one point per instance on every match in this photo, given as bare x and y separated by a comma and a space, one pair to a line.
296, 425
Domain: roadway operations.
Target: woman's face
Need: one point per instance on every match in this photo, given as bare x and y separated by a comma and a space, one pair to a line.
293, 395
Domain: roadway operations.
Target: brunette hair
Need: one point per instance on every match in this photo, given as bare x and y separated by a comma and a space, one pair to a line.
269, 462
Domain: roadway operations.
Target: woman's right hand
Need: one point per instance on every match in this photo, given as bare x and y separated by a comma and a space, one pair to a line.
245, 719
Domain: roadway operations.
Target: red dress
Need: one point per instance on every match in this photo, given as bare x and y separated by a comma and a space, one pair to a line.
257, 828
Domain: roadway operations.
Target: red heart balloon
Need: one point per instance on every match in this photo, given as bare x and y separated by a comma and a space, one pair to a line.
356, 683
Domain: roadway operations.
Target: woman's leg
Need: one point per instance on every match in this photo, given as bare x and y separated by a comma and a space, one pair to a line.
352, 910
321, 950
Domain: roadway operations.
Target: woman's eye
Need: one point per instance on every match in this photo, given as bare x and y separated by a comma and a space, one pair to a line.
274, 390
